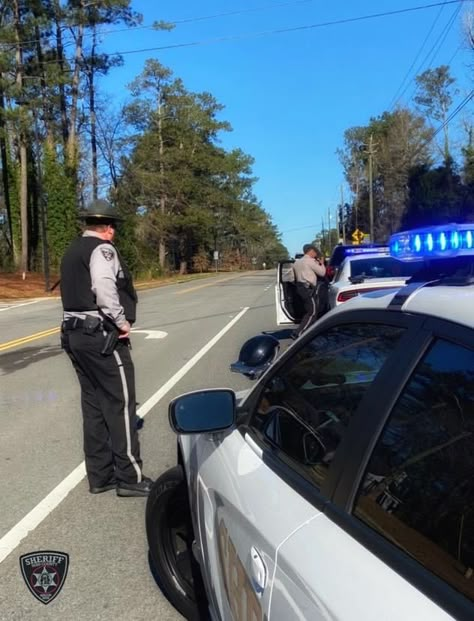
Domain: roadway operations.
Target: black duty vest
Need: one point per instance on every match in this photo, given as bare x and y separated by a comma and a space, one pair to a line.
76, 293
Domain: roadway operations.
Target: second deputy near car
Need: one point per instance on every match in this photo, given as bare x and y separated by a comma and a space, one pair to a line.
99, 302
309, 274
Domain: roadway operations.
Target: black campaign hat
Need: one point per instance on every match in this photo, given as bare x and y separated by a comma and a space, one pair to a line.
100, 210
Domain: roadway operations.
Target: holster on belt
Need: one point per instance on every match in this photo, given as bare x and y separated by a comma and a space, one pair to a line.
110, 343
111, 338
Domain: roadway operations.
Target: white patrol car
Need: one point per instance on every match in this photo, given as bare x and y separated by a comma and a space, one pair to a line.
341, 487
359, 274
364, 269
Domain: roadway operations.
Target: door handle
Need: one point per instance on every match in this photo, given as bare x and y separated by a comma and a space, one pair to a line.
258, 571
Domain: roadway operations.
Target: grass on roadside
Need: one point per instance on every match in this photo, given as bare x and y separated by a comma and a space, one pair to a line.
13, 287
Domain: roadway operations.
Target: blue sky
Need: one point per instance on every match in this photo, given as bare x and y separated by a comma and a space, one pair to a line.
290, 96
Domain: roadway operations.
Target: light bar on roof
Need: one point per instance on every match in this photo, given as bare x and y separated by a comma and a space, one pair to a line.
450, 240
366, 250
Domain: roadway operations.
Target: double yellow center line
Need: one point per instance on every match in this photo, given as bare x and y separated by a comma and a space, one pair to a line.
39, 335
27, 339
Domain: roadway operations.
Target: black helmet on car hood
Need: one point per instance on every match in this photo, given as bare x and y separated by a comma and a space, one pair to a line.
256, 355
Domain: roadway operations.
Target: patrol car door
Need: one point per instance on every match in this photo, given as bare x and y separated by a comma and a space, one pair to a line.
253, 482
403, 551
241, 524
289, 307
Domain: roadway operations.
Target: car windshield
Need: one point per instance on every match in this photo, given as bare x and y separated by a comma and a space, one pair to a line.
384, 267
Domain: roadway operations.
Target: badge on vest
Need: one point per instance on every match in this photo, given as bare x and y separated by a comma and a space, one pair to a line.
107, 253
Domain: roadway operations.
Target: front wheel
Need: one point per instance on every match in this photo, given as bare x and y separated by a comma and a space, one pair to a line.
170, 537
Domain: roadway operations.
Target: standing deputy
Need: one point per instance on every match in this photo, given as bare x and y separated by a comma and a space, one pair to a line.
99, 303
309, 273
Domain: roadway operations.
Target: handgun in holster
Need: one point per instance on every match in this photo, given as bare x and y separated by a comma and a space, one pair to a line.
110, 343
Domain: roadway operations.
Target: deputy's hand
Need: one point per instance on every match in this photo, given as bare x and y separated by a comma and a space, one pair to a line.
125, 331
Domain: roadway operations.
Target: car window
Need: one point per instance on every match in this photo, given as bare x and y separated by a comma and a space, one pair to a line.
339, 272
383, 267
418, 489
306, 406
337, 256
287, 272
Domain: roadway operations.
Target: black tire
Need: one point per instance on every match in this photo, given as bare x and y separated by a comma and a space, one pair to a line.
170, 536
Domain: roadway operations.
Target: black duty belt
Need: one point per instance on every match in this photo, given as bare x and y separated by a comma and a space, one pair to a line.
75, 323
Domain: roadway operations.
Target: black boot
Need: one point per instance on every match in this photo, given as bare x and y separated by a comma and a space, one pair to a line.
134, 489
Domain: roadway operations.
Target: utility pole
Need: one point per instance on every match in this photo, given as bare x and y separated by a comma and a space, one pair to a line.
342, 216
371, 190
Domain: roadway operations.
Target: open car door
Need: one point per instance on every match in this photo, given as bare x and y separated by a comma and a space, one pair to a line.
289, 305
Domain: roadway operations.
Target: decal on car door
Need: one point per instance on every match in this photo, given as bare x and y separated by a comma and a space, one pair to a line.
243, 600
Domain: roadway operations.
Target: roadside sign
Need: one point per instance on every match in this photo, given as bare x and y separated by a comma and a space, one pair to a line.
358, 236
254, 261
216, 255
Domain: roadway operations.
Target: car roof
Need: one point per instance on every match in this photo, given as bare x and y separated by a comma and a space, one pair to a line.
454, 303
369, 255
340, 251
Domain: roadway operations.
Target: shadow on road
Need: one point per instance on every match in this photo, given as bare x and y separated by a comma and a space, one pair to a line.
21, 358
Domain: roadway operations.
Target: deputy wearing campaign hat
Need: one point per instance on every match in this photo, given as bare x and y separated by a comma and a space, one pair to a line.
99, 304
100, 210
309, 273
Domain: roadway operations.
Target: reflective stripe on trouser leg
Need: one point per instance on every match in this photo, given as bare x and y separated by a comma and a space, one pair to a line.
311, 316
126, 416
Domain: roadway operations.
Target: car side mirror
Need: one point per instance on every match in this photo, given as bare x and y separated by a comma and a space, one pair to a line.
203, 411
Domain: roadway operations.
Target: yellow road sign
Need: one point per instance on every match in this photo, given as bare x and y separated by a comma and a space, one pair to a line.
358, 236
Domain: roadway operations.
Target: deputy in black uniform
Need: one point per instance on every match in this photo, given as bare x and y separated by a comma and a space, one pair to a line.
99, 303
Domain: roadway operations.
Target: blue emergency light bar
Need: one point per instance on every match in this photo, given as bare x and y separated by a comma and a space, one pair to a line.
433, 242
366, 250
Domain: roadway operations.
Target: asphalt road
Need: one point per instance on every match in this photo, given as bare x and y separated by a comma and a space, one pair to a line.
196, 331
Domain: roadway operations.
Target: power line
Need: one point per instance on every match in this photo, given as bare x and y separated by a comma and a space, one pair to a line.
458, 49
434, 50
453, 114
278, 31
300, 228
395, 98
189, 20
176, 22
447, 30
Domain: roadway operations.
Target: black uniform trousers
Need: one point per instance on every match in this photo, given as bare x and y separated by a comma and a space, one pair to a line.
111, 446
309, 295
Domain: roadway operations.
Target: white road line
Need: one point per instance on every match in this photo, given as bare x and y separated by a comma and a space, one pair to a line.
18, 305
153, 400
34, 518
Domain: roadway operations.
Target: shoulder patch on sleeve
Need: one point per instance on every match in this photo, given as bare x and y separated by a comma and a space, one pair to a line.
107, 253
